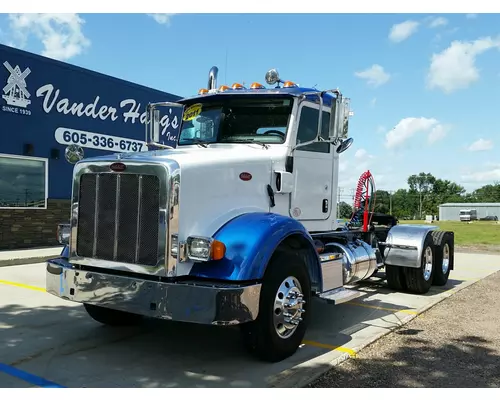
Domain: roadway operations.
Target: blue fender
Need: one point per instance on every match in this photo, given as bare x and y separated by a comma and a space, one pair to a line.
251, 240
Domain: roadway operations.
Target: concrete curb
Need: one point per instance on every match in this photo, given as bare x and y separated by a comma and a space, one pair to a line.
10, 258
30, 260
305, 373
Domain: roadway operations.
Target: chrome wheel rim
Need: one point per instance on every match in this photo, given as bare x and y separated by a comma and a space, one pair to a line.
288, 307
427, 263
446, 258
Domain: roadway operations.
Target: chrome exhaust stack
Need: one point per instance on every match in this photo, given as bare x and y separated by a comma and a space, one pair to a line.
212, 78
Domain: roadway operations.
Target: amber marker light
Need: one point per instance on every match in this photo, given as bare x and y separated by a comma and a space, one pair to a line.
257, 85
218, 250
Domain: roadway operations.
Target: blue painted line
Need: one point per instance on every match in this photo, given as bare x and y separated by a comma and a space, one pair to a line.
27, 377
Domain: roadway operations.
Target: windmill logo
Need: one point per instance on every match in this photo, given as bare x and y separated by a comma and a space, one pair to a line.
15, 92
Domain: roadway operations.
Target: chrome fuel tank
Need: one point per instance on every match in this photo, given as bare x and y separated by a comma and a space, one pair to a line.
359, 259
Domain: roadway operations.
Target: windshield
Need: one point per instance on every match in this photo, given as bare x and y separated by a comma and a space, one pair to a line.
263, 120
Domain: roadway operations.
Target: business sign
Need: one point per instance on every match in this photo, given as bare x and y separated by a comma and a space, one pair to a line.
19, 99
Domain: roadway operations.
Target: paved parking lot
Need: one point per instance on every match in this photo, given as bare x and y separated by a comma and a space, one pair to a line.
45, 341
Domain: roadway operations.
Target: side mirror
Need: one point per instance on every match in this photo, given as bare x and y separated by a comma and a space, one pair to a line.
339, 125
153, 123
345, 145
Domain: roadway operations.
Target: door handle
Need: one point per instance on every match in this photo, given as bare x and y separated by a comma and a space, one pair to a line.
325, 205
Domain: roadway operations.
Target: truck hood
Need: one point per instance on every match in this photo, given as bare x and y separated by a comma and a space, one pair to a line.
192, 156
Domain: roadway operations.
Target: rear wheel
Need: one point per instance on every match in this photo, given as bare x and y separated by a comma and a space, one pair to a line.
108, 316
278, 331
444, 249
419, 280
396, 279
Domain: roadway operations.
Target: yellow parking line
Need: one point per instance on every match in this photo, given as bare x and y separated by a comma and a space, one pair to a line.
347, 350
411, 312
22, 285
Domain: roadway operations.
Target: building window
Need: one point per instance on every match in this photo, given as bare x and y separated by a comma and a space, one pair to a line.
308, 128
23, 182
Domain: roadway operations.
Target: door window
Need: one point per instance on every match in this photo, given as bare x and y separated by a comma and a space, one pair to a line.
308, 128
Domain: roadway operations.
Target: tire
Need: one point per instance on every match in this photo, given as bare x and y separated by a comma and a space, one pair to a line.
261, 337
108, 316
419, 280
395, 276
444, 251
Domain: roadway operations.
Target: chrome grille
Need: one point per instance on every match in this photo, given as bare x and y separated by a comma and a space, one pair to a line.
118, 218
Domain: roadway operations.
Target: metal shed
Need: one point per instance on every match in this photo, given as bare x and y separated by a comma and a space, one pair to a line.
451, 211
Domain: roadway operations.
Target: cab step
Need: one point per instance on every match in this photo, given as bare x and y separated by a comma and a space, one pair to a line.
340, 295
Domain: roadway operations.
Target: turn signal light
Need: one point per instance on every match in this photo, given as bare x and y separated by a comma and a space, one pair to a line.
218, 250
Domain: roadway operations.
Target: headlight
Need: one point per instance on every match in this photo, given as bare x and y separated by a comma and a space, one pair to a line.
204, 249
63, 233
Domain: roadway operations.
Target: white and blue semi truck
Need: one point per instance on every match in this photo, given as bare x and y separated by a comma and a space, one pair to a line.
237, 224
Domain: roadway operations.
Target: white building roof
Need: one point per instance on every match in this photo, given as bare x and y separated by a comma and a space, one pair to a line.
469, 205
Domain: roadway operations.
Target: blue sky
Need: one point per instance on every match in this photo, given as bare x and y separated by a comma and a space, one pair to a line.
424, 88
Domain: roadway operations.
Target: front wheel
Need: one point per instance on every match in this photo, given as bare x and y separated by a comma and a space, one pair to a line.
285, 297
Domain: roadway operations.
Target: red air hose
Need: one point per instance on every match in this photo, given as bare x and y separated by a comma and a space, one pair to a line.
365, 190
365, 176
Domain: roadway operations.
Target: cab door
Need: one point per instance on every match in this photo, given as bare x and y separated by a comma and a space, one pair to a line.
311, 199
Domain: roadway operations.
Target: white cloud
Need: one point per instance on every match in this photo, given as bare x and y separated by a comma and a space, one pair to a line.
360, 153
471, 16
438, 133
408, 127
375, 75
437, 22
454, 68
403, 31
60, 34
162, 18
489, 176
381, 129
373, 102
481, 145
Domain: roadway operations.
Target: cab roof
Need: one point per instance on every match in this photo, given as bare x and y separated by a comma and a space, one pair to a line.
281, 91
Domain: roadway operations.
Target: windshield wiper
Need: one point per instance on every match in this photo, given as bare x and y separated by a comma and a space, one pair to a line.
197, 141
265, 145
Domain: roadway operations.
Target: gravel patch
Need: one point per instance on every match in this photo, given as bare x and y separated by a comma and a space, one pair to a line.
454, 344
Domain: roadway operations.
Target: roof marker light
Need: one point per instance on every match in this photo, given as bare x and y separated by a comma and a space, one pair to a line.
257, 85
289, 84
238, 86
203, 91
223, 88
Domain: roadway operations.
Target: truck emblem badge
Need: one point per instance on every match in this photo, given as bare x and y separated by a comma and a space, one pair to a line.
245, 176
117, 167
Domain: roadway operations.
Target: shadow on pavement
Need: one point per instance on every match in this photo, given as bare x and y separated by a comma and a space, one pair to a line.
60, 342
464, 362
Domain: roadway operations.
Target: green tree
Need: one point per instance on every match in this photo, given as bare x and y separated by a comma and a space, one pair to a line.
345, 210
382, 202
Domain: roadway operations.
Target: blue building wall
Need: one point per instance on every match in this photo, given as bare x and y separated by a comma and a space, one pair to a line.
67, 104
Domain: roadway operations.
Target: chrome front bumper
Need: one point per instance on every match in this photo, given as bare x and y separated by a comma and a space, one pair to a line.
200, 302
